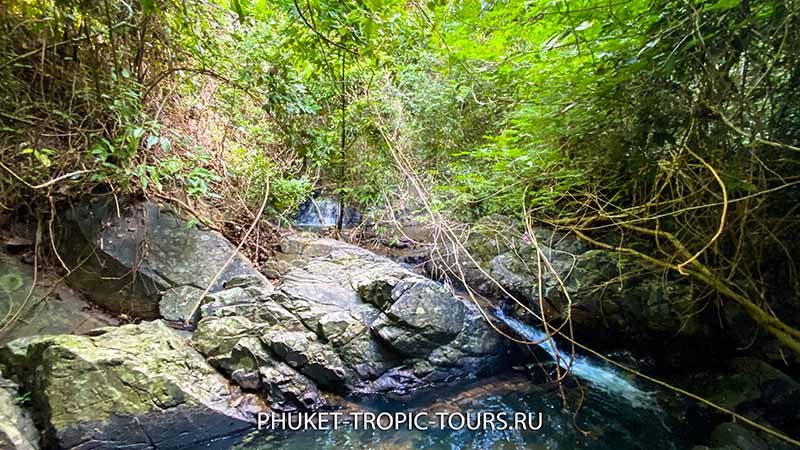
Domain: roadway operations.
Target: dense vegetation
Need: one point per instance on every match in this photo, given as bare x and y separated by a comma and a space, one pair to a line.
667, 129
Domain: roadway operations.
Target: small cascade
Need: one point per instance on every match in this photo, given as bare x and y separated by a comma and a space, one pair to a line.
324, 212
603, 378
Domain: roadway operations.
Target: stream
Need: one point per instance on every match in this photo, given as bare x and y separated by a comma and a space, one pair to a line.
614, 414
605, 422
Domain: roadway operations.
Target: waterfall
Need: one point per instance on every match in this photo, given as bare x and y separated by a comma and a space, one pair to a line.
603, 378
324, 212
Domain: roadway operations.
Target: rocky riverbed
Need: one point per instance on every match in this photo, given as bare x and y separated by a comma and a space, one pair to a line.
325, 324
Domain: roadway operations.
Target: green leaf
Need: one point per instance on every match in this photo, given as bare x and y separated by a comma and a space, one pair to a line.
723, 5
237, 7
43, 158
152, 140
148, 6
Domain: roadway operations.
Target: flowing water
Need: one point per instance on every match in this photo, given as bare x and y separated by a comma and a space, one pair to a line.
601, 377
324, 212
602, 422
608, 412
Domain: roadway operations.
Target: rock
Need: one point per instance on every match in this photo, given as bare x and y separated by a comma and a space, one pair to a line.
303, 351
311, 245
217, 336
126, 263
754, 389
491, 236
474, 348
298, 249
51, 308
422, 317
135, 386
252, 366
238, 346
732, 435
178, 303
747, 333
17, 431
745, 380
348, 321
607, 295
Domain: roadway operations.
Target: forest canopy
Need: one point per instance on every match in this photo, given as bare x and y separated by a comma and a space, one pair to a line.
668, 130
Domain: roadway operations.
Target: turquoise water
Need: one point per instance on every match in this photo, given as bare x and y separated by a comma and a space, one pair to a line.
603, 422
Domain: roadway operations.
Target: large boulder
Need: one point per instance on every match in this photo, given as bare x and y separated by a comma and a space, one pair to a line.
421, 317
349, 321
134, 386
297, 249
125, 257
17, 431
237, 339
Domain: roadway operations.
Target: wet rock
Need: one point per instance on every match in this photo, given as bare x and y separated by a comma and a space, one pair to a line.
743, 381
754, 389
135, 386
51, 308
125, 263
17, 431
748, 334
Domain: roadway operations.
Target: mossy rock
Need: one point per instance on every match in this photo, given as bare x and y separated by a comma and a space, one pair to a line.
131, 385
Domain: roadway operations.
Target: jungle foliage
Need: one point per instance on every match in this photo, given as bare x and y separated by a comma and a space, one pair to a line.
667, 129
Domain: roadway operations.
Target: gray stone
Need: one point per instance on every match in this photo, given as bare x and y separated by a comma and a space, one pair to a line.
125, 262
179, 302
603, 292
251, 365
138, 386
304, 352
423, 317
51, 308
17, 431
345, 319
376, 315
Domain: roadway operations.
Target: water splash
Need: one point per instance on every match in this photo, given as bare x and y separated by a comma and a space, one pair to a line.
603, 378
